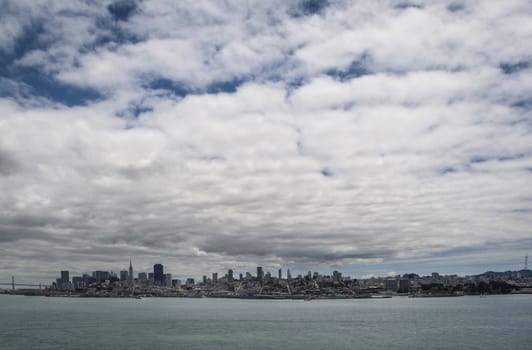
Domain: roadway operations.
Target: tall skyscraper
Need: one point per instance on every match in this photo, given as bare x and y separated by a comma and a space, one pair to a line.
158, 274
130, 279
288, 275
65, 280
123, 275
230, 275
214, 277
280, 273
65, 277
260, 273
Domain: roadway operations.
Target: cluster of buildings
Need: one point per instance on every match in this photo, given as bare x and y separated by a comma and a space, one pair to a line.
267, 285
123, 278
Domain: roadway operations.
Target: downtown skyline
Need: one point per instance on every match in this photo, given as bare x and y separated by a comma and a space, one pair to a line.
370, 138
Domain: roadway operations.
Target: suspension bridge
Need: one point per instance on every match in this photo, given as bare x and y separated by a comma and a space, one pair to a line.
17, 285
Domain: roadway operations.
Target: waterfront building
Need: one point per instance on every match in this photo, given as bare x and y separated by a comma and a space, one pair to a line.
158, 274
404, 285
390, 284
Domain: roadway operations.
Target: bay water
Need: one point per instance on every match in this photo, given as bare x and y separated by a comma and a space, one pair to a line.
492, 322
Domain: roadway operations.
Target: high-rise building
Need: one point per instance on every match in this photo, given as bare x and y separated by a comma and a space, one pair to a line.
337, 276
100, 276
130, 279
390, 284
65, 277
87, 279
77, 282
214, 277
123, 275
204, 279
230, 275
260, 273
167, 280
288, 275
143, 277
158, 274
280, 273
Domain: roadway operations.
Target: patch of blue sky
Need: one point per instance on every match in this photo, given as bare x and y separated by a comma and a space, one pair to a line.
182, 89
31, 82
455, 7
309, 8
408, 5
356, 69
525, 103
174, 87
511, 68
448, 170
113, 34
224, 86
326, 172
34, 83
121, 10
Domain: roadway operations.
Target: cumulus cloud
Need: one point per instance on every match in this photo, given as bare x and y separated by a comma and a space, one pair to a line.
214, 135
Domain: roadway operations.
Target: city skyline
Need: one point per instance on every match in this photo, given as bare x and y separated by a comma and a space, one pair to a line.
144, 274
370, 138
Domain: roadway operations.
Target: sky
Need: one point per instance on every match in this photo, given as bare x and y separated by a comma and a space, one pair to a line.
369, 137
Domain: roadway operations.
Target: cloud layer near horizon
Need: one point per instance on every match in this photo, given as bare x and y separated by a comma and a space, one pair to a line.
230, 134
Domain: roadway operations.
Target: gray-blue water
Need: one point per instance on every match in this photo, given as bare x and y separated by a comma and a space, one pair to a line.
494, 322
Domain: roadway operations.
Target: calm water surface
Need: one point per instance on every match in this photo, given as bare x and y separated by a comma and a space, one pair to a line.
494, 322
